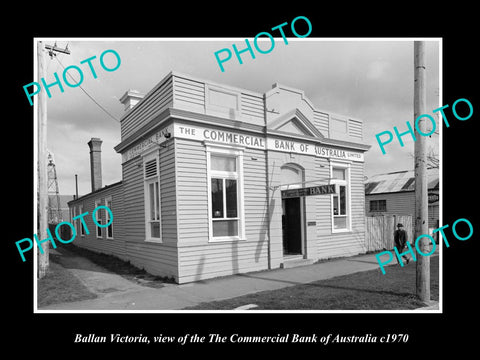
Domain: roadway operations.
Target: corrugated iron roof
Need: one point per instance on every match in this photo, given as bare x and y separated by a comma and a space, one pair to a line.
398, 181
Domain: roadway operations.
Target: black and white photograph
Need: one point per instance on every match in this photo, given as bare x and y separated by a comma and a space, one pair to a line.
240, 193
263, 186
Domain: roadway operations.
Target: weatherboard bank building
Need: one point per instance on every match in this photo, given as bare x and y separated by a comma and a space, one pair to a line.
218, 180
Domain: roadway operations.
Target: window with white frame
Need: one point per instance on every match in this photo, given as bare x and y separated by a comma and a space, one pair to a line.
98, 219
152, 197
74, 222
108, 203
340, 201
225, 181
82, 228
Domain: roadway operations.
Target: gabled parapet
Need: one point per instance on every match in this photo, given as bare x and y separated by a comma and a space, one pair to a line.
283, 102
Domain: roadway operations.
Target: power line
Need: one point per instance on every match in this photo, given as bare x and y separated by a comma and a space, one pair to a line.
86, 93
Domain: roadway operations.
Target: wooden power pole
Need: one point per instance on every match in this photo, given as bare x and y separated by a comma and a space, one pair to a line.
43, 259
421, 181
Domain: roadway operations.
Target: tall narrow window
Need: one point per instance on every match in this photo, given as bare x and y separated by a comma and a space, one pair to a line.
152, 198
82, 228
108, 203
74, 222
340, 205
225, 195
98, 218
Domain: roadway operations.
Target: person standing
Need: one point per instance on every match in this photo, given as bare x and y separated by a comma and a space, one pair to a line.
400, 239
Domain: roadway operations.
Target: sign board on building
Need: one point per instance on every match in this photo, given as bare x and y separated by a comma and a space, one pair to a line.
312, 149
241, 139
218, 136
264, 143
309, 191
155, 139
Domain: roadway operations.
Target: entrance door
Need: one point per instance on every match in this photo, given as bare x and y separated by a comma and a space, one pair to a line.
291, 226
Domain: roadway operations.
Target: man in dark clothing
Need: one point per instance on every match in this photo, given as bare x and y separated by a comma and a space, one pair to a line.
400, 239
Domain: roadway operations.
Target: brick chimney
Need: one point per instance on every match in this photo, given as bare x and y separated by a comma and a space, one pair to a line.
95, 145
131, 98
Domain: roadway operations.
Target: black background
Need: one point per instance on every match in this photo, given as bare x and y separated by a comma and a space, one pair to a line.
428, 333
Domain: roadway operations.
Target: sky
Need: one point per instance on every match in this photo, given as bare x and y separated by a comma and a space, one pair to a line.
368, 79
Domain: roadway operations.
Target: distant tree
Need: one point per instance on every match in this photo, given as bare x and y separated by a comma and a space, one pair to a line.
433, 162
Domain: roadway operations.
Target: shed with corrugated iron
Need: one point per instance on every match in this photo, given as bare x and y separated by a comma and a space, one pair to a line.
394, 194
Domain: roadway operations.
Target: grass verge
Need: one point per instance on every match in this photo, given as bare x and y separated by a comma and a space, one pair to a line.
367, 290
60, 285
117, 266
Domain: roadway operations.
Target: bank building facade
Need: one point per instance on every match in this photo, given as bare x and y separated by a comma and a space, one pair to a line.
218, 180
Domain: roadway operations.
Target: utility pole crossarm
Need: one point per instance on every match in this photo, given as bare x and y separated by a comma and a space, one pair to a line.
55, 48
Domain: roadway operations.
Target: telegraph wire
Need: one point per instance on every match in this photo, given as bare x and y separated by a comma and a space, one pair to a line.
86, 93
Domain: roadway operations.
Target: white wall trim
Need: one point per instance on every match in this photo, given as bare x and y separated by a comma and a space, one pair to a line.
153, 154
347, 166
237, 152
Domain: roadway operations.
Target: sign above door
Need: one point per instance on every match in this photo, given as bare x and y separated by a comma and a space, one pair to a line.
309, 191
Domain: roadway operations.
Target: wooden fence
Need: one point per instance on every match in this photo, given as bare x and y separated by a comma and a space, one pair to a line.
379, 230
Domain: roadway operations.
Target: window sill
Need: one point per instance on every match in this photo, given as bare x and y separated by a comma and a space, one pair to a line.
157, 241
338, 231
226, 239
